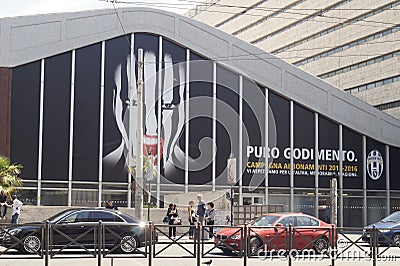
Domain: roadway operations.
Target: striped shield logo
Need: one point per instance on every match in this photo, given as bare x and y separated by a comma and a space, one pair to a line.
374, 164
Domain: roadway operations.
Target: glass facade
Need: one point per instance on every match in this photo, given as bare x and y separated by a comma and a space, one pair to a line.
76, 140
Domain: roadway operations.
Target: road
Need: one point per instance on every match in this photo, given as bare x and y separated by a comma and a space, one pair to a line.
354, 255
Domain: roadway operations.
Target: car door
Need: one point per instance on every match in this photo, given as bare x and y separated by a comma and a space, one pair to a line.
306, 230
111, 225
264, 229
73, 226
281, 230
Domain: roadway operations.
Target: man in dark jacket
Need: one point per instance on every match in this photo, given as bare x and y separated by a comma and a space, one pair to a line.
110, 205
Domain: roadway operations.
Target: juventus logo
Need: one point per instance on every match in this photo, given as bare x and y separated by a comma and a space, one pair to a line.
374, 164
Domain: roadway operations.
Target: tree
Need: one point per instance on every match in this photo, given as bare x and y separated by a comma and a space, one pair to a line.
146, 166
10, 180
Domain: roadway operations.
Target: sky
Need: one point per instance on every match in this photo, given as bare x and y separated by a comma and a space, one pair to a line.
12, 8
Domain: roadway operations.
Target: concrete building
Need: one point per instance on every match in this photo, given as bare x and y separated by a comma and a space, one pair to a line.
351, 44
68, 103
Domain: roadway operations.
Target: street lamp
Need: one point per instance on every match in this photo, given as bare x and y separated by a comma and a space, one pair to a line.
139, 138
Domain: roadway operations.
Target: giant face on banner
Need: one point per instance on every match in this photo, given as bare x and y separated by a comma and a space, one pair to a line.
122, 127
170, 126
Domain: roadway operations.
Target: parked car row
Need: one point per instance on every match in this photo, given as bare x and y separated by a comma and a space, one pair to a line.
76, 228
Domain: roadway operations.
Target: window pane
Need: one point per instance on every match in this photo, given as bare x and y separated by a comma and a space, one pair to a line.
78, 217
303, 221
103, 216
287, 220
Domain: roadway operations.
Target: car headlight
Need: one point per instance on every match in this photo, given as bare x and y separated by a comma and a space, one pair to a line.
13, 231
384, 230
235, 237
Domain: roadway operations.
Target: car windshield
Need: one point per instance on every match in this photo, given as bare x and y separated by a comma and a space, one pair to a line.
394, 217
265, 220
58, 216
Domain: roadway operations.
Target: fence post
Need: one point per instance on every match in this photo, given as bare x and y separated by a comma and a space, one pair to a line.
333, 245
245, 241
100, 243
199, 238
374, 244
290, 245
46, 242
150, 228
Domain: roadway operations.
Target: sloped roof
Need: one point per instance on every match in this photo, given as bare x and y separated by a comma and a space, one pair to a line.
26, 39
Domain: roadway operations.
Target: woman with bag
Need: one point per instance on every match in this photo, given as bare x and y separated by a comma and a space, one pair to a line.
210, 218
173, 216
192, 219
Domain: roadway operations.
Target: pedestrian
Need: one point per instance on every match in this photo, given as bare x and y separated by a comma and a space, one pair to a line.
16, 205
172, 214
110, 205
210, 218
192, 218
4, 206
201, 208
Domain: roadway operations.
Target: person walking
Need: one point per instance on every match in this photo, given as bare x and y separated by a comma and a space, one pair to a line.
210, 218
192, 218
172, 214
201, 208
110, 205
16, 205
4, 206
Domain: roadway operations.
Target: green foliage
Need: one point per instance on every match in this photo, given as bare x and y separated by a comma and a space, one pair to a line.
10, 180
152, 205
146, 164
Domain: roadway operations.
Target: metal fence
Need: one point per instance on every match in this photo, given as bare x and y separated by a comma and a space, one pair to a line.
246, 243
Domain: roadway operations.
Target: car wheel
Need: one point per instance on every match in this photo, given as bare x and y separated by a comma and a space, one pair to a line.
321, 245
31, 244
396, 240
128, 243
254, 245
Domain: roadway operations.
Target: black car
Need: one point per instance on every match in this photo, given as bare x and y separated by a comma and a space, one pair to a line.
78, 229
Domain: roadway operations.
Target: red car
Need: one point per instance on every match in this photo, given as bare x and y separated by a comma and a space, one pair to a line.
270, 233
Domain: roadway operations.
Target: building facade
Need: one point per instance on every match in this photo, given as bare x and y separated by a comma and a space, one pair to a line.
68, 106
352, 44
